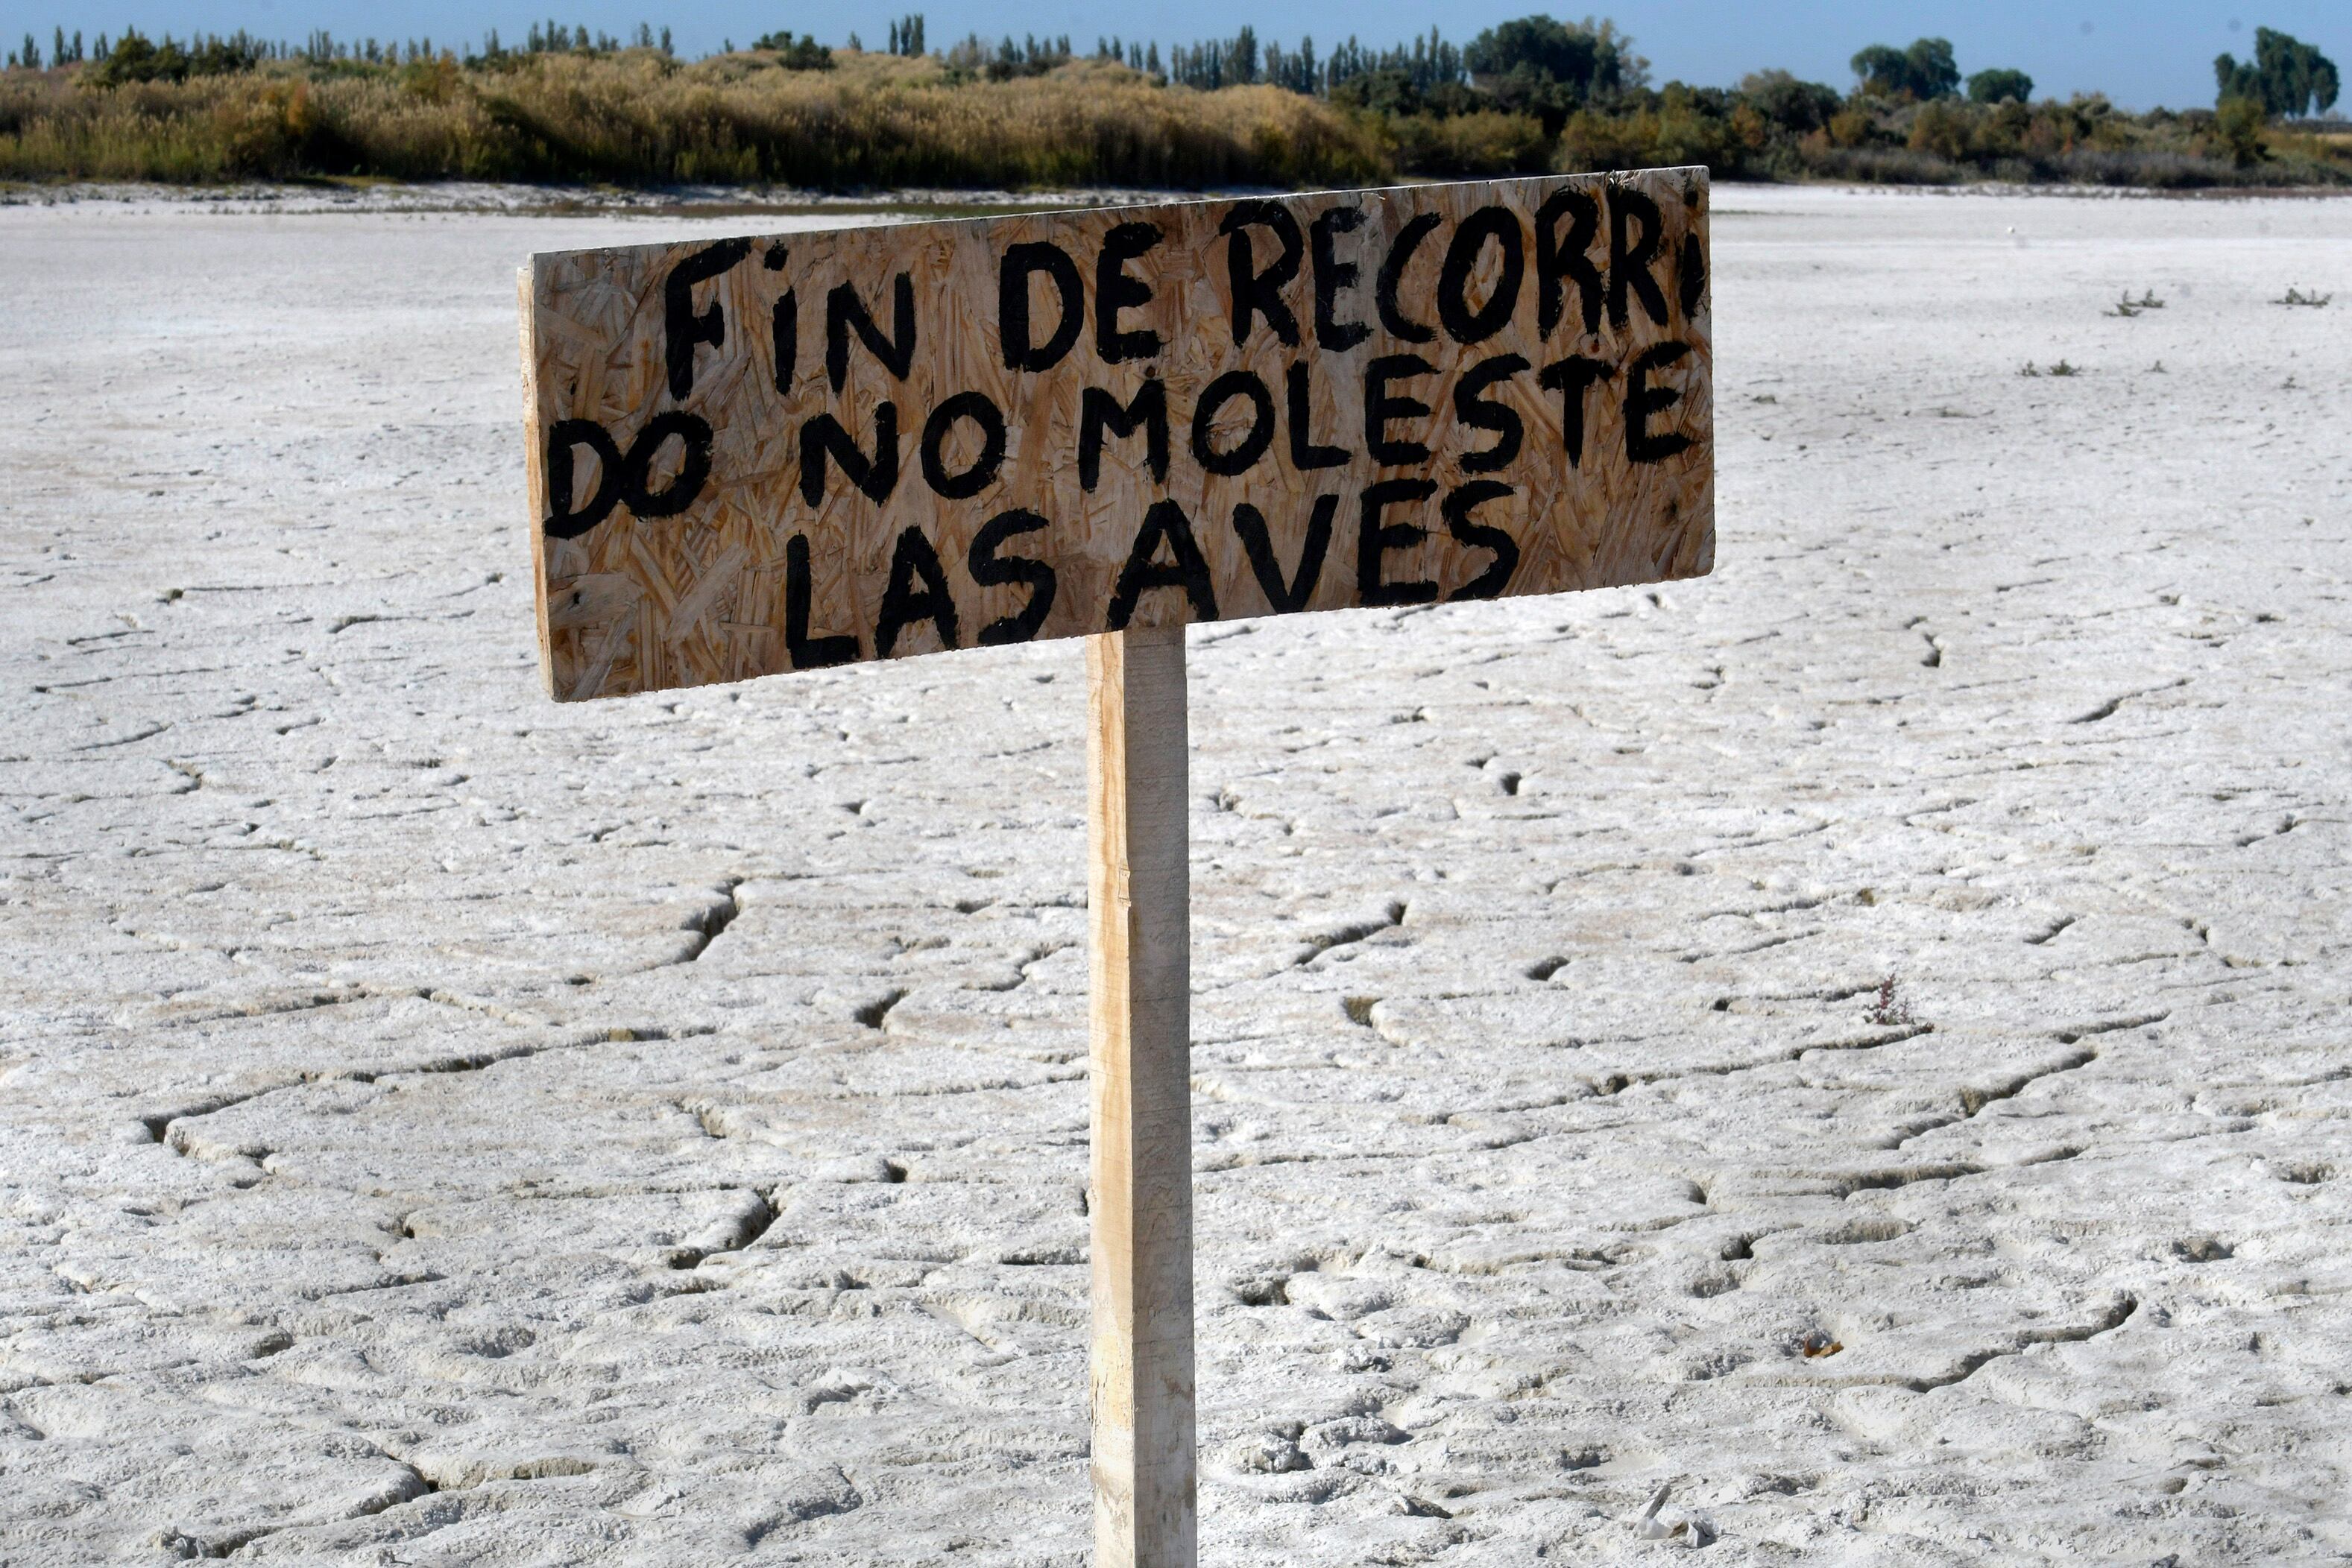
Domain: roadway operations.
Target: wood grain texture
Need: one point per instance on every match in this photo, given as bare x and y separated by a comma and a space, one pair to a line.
1542, 347
1140, 1370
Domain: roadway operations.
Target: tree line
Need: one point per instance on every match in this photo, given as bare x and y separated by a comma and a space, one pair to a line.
1527, 96
1531, 64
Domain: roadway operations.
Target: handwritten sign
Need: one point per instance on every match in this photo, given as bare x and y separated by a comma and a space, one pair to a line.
758, 455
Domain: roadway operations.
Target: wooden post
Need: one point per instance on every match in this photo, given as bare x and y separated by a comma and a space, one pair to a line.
1140, 1384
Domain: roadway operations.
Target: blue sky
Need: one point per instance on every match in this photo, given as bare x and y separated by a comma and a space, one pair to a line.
2140, 55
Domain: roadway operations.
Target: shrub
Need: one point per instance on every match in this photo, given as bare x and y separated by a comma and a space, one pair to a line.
135, 58
1787, 103
1483, 142
2237, 131
1942, 129
807, 55
2000, 85
1852, 127
1678, 131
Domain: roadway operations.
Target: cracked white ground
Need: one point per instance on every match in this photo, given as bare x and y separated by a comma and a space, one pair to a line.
441, 1127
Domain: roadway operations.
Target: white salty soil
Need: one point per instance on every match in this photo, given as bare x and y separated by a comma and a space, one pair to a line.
440, 1127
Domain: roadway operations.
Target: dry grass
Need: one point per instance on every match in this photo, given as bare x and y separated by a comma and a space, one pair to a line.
1486, 142
638, 117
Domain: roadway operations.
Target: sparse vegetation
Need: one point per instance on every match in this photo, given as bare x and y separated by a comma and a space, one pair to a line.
2296, 296
1889, 1010
1528, 96
2128, 307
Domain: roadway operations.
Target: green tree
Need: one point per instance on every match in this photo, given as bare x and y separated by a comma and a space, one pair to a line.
1787, 102
2000, 83
805, 55
1934, 72
134, 58
2286, 76
1880, 71
1580, 61
1925, 70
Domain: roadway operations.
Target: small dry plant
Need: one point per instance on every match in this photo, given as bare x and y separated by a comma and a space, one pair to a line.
2128, 306
2296, 296
1890, 1010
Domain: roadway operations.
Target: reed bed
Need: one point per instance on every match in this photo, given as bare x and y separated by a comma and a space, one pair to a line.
640, 117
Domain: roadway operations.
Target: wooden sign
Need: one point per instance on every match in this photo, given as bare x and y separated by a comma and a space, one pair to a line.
757, 455
754, 456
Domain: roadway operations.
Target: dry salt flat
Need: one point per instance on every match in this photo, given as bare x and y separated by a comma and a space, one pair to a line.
438, 1127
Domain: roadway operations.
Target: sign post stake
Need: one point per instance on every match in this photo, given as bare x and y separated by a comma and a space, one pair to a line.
1139, 1381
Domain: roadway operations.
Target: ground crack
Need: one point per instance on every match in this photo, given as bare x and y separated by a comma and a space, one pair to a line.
713, 918
159, 1125
1348, 935
2114, 1318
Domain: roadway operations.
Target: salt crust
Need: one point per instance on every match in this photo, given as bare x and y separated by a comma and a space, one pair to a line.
438, 1127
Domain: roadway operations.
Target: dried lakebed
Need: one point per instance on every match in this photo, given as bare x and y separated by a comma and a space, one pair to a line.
441, 1127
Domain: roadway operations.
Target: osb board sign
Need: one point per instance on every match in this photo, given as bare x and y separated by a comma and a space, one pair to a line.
757, 455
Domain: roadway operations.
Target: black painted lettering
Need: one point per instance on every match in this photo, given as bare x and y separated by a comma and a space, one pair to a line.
1571, 378
783, 324
1256, 293
1460, 503
1380, 406
1644, 401
1629, 264
845, 312
1332, 276
681, 327
1375, 539
1166, 524
1014, 330
1115, 291
1566, 260
1306, 452
1692, 275
1257, 543
784, 338
823, 437
1391, 278
808, 653
980, 410
992, 571
1480, 413
564, 520
1498, 226
1251, 447
1100, 413
904, 604
692, 433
